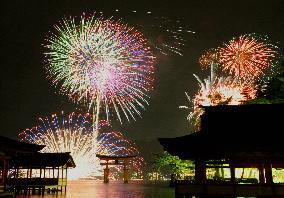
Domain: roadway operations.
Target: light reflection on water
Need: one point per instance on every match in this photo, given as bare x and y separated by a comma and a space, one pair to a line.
114, 189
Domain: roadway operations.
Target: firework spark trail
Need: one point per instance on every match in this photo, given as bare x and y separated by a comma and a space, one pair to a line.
210, 59
75, 135
247, 57
166, 36
102, 63
223, 90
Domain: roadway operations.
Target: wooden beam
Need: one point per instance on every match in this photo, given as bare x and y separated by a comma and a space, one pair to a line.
107, 157
112, 163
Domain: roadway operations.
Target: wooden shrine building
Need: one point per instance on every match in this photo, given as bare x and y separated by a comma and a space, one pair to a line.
40, 171
10, 148
239, 152
24, 168
116, 160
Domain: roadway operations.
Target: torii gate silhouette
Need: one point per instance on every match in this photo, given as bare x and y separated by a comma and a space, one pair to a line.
116, 160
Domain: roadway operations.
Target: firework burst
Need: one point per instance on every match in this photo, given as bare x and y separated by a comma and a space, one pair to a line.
247, 57
102, 63
210, 56
74, 135
221, 91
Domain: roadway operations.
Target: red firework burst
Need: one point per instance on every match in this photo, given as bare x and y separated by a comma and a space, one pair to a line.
247, 57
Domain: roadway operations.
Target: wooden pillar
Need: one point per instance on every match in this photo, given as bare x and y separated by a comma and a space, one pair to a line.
66, 178
261, 174
41, 189
31, 172
30, 176
62, 177
233, 174
5, 172
2, 165
58, 178
15, 172
268, 173
200, 171
106, 173
125, 171
233, 178
44, 175
66, 173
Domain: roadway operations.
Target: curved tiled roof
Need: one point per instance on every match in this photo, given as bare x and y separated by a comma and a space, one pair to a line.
249, 132
12, 147
41, 160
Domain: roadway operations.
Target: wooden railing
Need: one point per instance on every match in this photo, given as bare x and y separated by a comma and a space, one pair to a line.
32, 181
1, 187
62, 182
25, 185
4, 193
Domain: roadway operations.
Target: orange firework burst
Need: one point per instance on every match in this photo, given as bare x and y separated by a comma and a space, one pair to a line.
225, 91
220, 91
208, 57
247, 57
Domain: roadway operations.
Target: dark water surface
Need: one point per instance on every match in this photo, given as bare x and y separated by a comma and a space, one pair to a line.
114, 189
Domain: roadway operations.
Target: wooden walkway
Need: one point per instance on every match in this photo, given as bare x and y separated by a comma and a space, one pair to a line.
3, 193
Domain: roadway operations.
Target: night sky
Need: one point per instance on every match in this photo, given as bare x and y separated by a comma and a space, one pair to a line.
26, 94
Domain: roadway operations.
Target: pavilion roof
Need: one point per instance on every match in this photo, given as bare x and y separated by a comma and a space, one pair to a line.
11, 147
248, 132
41, 160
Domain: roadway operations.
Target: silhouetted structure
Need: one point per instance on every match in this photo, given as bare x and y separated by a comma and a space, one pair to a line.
116, 160
24, 168
233, 138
